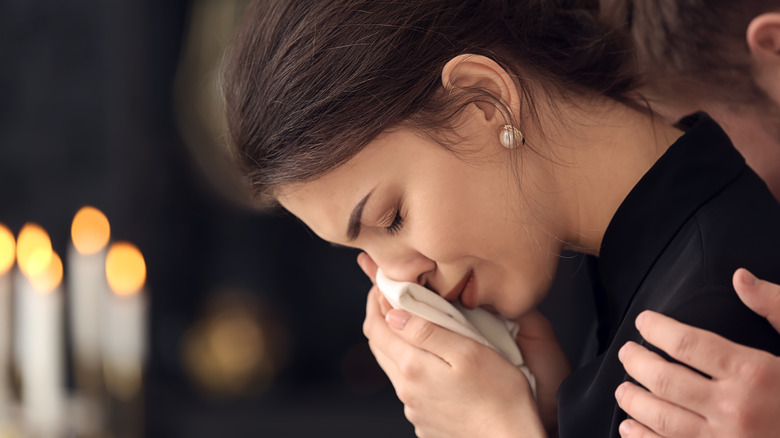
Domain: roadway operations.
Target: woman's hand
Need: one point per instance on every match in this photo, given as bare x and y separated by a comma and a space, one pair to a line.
740, 400
548, 363
451, 386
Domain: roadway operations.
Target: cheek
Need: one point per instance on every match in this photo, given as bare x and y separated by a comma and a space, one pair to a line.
528, 267
522, 291
476, 232
441, 239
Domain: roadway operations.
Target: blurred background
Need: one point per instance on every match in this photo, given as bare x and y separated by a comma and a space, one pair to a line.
254, 324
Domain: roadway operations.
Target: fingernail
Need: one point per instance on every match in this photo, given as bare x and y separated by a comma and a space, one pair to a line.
619, 392
622, 352
625, 428
397, 319
639, 320
748, 278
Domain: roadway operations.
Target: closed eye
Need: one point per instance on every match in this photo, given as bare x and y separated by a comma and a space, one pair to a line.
397, 224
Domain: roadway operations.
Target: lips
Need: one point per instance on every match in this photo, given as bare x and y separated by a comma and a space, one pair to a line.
465, 291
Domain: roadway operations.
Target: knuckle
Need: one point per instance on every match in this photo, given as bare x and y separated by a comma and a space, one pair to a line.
372, 347
411, 414
661, 422
725, 362
471, 353
755, 371
423, 333
662, 384
403, 394
737, 412
684, 345
408, 413
366, 329
408, 368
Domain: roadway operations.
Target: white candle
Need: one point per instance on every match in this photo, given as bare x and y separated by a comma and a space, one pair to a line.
7, 255
124, 332
33, 246
87, 286
42, 372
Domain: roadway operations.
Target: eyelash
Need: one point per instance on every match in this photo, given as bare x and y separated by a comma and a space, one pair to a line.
398, 223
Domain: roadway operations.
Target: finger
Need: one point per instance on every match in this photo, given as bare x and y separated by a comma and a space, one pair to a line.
700, 349
391, 369
385, 362
375, 316
663, 418
384, 305
450, 347
634, 429
760, 295
368, 266
382, 338
667, 381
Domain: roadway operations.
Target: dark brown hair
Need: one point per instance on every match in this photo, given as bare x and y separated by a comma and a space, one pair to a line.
692, 48
307, 84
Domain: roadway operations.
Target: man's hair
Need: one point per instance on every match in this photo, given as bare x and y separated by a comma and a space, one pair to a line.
693, 48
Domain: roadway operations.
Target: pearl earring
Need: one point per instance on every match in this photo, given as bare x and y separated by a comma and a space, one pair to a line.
511, 137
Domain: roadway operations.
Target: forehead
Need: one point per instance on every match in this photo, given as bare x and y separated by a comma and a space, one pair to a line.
325, 203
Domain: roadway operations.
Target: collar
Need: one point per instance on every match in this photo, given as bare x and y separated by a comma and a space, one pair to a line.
696, 167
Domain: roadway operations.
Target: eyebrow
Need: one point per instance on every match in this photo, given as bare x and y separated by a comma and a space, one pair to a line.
353, 228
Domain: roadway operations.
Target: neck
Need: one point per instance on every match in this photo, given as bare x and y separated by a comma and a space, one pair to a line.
757, 139
622, 144
754, 130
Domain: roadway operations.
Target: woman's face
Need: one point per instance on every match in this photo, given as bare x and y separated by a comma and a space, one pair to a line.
461, 224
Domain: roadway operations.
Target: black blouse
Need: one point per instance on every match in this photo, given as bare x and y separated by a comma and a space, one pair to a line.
695, 217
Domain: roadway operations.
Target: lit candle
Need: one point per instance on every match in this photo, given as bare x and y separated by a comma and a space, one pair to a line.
7, 255
32, 248
87, 287
41, 324
124, 332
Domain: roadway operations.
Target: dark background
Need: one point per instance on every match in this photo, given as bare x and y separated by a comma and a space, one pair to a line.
88, 117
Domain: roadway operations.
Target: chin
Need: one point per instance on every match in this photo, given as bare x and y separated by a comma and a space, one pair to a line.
512, 314
513, 310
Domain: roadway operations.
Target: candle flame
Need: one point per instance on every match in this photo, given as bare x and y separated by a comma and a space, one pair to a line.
50, 277
7, 249
125, 268
90, 230
33, 249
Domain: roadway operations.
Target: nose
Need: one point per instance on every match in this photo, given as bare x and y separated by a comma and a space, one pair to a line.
407, 266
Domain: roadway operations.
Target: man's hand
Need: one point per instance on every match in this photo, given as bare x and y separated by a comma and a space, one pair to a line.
741, 400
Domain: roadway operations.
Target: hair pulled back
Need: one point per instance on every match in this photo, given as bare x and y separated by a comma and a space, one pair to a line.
307, 84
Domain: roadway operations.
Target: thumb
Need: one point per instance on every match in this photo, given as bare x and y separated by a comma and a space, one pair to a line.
432, 338
761, 296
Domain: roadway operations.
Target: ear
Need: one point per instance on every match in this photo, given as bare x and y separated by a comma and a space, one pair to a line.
477, 71
763, 40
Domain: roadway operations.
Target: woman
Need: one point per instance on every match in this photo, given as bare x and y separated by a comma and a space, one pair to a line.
464, 145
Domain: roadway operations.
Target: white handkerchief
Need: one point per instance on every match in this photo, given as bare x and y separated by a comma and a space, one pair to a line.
478, 324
